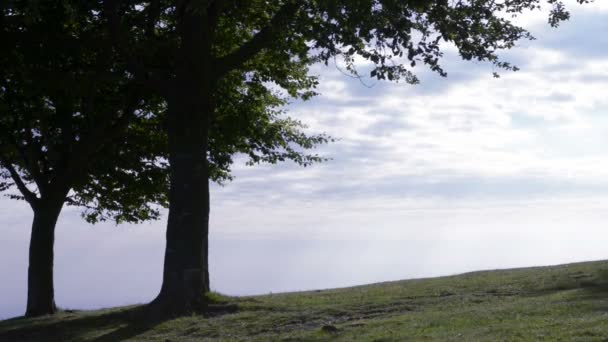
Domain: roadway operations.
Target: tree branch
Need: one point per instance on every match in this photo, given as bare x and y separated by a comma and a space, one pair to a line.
258, 42
17, 130
29, 195
153, 14
117, 35
31, 154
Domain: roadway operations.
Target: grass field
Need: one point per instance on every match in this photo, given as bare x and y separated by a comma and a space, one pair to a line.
565, 302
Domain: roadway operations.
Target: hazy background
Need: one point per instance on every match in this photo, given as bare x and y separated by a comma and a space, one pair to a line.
452, 175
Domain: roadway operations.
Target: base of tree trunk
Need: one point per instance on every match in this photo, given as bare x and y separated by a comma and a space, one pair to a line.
41, 310
167, 306
163, 306
40, 298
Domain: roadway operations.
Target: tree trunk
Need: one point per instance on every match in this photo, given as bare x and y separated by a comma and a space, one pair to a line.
40, 290
186, 268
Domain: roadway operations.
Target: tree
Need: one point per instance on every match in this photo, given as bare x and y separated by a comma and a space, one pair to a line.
73, 129
193, 46
77, 127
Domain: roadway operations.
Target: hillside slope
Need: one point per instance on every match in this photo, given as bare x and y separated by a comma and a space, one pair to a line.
565, 302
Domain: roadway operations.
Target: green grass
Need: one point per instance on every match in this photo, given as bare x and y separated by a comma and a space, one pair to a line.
566, 302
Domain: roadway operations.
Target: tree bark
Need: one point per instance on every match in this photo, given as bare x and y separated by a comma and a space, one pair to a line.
186, 268
40, 290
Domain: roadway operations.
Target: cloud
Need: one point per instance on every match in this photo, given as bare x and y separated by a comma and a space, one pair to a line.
581, 37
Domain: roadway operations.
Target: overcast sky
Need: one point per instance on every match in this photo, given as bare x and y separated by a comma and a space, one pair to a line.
452, 175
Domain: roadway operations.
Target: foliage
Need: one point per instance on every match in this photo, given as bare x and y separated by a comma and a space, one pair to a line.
72, 119
249, 120
397, 35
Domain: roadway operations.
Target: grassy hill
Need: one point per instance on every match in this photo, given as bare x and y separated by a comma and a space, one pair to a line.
565, 302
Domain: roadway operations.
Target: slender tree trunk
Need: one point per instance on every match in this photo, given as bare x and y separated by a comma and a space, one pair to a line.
186, 268
40, 290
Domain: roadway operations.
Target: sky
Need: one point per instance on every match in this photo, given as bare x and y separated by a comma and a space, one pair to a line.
452, 175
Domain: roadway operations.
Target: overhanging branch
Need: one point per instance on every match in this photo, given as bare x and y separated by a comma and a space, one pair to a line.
29, 195
261, 40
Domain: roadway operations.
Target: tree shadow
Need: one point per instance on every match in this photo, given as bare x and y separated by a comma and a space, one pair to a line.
594, 289
117, 324
97, 326
137, 322
147, 317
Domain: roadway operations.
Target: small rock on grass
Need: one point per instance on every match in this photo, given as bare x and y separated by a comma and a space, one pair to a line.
328, 328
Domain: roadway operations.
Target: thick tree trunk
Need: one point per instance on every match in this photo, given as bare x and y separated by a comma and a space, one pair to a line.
40, 290
186, 269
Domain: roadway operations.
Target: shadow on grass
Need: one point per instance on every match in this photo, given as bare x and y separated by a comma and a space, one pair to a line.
137, 322
596, 288
100, 326
115, 326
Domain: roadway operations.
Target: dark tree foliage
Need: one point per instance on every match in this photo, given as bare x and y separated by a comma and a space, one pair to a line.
65, 105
